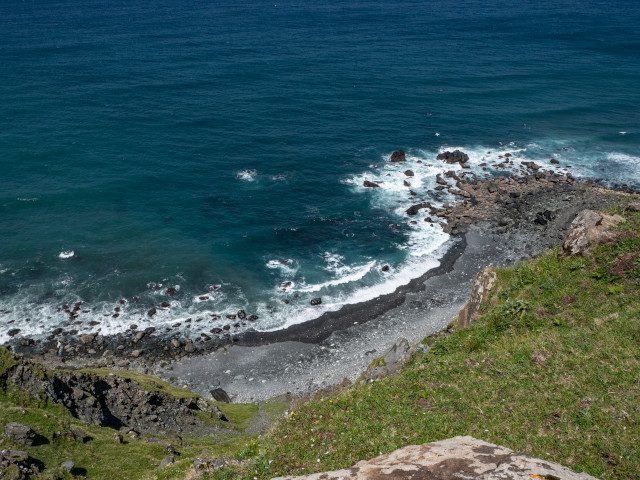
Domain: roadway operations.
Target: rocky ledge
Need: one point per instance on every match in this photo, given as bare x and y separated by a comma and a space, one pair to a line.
112, 401
457, 457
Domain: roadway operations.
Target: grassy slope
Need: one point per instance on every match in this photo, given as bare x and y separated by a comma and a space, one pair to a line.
101, 457
552, 369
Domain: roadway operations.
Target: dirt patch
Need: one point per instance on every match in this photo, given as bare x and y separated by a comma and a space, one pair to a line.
625, 263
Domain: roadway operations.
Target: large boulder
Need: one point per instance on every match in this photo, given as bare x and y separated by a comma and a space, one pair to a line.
457, 457
453, 157
588, 226
485, 281
414, 209
18, 433
398, 156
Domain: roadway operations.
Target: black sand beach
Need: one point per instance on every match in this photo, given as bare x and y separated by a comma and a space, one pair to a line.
499, 222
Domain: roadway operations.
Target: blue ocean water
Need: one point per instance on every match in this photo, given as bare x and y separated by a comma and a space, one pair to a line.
219, 149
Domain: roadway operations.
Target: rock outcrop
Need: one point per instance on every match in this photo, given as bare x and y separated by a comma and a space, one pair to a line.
453, 157
391, 362
485, 280
20, 434
589, 226
453, 458
398, 156
110, 400
18, 465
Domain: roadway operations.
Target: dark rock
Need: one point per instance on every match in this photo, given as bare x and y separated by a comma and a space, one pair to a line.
252, 318
441, 181
152, 312
409, 173
414, 209
56, 331
216, 330
171, 291
532, 166
406, 184
13, 332
398, 156
554, 161
369, 184
189, 347
316, 301
385, 268
220, 395
18, 465
18, 433
241, 314
453, 157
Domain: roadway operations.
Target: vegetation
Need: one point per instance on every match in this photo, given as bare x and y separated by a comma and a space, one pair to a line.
550, 369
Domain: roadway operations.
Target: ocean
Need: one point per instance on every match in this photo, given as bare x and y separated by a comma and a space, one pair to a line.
203, 158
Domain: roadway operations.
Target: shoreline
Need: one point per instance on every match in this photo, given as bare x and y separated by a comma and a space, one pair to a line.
498, 222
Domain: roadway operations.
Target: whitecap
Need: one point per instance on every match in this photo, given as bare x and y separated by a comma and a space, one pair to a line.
247, 175
349, 275
66, 254
278, 263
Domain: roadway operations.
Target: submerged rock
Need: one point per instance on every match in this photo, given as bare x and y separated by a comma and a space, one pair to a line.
316, 301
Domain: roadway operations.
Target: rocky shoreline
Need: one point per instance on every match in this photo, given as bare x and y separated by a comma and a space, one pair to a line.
526, 212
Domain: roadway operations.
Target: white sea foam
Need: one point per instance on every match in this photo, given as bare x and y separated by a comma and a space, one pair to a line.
346, 274
344, 283
247, 175
66, 254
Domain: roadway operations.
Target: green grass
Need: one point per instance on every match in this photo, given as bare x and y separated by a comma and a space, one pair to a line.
102, 457
551, 369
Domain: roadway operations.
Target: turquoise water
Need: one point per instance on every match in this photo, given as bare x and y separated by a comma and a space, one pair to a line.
126, 133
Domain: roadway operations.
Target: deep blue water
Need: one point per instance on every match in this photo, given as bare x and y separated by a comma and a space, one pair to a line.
126, 126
